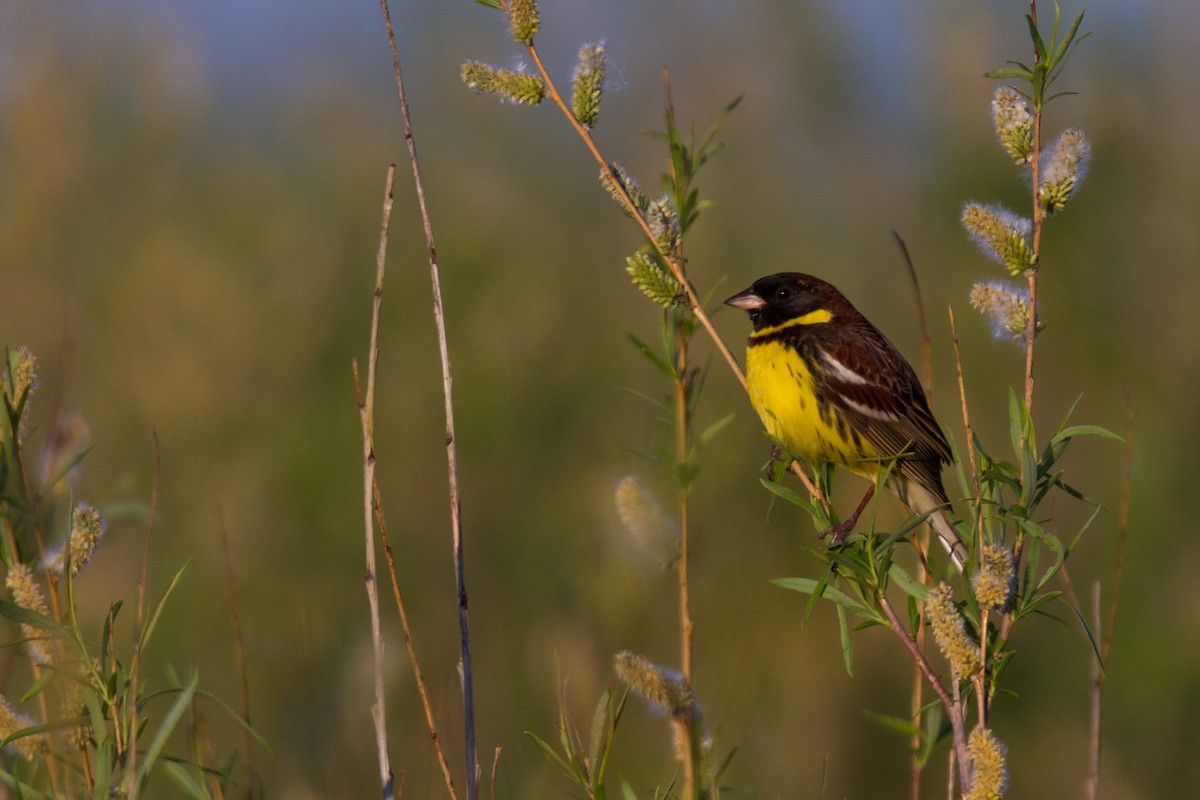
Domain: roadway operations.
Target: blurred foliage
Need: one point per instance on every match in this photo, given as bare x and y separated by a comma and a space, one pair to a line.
187, 237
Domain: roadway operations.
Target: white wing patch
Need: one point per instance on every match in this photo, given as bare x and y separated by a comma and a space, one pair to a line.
841, 371
869, 411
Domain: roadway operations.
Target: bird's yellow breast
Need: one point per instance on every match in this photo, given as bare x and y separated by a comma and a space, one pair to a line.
781, 389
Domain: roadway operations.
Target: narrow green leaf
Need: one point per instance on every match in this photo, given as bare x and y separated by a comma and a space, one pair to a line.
553, 756
598, 734
152, 623
1008, 73
1087, 629
1067, 434
1036, 36
847, 642
910, 585
667, 368
904, 727
190, 785
1035, 603
39, 685
26, 617
710, 433
832, 593
790, 495
165, 728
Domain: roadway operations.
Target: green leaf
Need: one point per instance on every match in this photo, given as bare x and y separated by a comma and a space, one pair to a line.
39, 685
710, 433
790, 495
496, 4
1007, 73
26, 617
904, 727
1091, 639
1067, 434
832, 593
152, 623
667, 368
553, 756
598, 736
847, 642
1035, 603
165, 728
1038, 45
910, 585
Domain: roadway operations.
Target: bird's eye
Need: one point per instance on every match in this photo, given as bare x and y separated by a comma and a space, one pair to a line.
782, 293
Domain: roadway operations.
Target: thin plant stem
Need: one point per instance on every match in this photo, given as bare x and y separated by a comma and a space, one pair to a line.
418, 675
134, 787
1092, 785
686, 628
1122, 529
922, 537
1039, 218
1099, 666
460, 580
366, 415
239, 643
682, 445
952, 704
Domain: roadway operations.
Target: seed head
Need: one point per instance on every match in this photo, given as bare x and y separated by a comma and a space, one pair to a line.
995, 582
1001, 235
640, 202
1014, 124
950, 633
654, 280
588, 83
515, 86
1005, 306
1063, 168
525, 18
652, 531
989, 774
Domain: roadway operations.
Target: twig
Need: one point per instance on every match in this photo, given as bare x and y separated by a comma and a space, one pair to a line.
1122, 529
1039, 219
922, 537
468, 680
922, 328
1093, 779
366, 415
1099, 666
418, 675
687, 630
131, 742
952, 704
239, 644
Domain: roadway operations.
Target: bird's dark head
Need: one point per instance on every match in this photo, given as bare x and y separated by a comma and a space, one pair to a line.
789, 296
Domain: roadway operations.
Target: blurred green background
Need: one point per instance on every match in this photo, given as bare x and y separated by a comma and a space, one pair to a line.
189, 211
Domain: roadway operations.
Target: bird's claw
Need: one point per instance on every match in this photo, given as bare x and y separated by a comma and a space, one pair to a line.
837, 533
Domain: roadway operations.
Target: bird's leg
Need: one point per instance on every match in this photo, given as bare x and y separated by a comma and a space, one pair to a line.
838, 533
778, 456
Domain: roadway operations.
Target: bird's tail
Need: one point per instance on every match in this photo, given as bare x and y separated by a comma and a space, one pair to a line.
921, 500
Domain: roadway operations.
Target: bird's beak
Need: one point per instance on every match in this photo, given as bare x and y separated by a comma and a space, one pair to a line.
747, 301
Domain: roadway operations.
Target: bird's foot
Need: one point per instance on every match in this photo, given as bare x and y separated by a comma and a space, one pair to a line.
771, 471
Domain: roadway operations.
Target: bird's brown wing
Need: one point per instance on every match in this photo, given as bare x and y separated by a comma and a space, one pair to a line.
867, 380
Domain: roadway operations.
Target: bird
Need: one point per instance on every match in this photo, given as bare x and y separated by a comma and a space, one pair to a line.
833, 389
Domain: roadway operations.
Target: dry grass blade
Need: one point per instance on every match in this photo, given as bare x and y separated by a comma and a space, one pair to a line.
467, 671
366, 411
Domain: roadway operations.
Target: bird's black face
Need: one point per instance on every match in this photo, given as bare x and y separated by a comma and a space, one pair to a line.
778, 298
